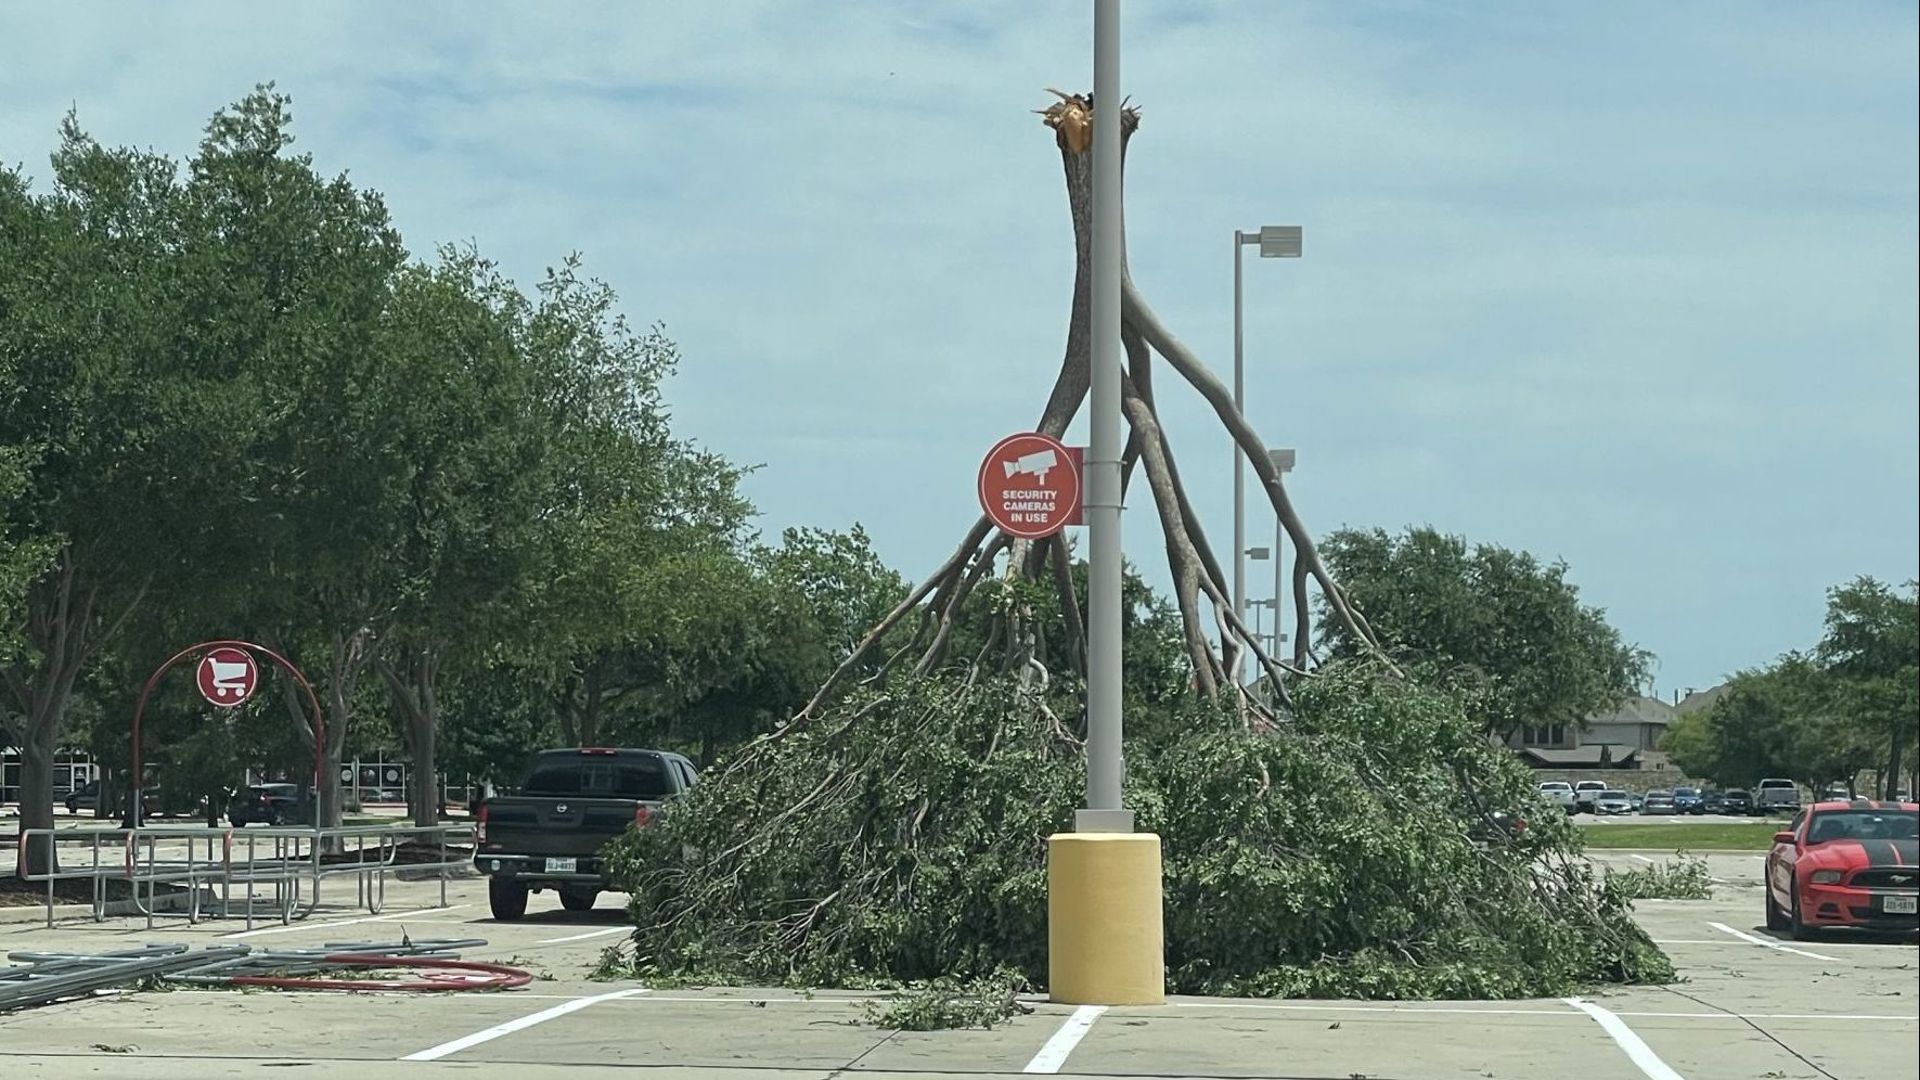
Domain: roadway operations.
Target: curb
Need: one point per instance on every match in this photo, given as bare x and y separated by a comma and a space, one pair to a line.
37, 913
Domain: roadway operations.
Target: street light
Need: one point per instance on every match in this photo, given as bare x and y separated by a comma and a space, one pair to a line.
1283, 464
1275, 242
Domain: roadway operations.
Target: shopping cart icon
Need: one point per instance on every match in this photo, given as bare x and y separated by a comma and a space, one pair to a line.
229, 679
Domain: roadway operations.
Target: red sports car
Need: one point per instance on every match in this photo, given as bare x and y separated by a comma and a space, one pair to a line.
1846, 864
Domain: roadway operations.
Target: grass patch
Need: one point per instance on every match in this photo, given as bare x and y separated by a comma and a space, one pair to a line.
1706, 836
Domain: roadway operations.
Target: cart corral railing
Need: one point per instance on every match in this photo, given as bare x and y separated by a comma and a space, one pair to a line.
246, 873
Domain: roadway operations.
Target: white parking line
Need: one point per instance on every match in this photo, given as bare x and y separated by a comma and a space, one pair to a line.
435, 1053
1637, 1050
1646, 860
1054, 1053
1744, 936
585, 936
1724, 941
337, 922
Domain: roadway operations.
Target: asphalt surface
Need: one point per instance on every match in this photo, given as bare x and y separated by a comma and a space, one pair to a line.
1751, 1005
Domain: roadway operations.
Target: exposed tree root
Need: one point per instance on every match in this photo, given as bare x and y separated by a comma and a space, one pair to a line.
1197, 573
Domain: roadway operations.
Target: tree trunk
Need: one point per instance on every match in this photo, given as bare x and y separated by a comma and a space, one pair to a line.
36, 793
411, 685
59, 621
1894, 746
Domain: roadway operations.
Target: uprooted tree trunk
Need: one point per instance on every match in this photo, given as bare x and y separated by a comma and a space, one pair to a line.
1199, 585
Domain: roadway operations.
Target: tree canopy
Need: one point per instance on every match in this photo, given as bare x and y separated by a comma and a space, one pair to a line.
236, 405
1824, 714
1498, 625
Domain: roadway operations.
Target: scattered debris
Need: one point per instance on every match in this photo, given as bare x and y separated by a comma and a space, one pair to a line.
39, 978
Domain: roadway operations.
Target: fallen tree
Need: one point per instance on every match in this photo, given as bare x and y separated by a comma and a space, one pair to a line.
1359, 851
1345, 834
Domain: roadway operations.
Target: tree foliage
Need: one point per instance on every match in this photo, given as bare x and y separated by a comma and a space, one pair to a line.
1824, 714
902, 836
1499, 626
235, 406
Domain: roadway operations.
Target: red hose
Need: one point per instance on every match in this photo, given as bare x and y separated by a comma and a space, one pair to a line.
440, 975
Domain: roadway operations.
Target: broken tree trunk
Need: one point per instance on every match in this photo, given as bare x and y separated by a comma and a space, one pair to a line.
1198, 580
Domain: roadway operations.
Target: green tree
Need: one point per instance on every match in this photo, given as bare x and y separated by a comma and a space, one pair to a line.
128, 428
1871, 650
844, 586
296, 270
1499, 626
479, 475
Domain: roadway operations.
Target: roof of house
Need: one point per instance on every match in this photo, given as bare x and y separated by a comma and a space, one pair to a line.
1700, 699
1590, 754
1639, 709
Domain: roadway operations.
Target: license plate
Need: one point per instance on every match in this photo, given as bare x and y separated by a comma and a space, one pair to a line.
1901, 905
561, 866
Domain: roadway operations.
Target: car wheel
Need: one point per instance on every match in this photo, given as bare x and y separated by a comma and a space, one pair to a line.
1776, 919
1795, 925
507, 898
578, 899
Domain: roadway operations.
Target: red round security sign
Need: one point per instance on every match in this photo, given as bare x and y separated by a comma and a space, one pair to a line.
227, 676
1030, 485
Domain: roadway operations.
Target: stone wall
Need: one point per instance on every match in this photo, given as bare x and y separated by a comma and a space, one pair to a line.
1634, 780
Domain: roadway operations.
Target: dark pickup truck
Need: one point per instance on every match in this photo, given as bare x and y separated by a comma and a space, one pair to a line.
549, 834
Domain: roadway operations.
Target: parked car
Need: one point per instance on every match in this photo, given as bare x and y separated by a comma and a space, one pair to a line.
1736, 801
88, 797
1558, 792
1613, 802
1712, 802
1658, 802
1776, 795
571, 803
1846, 864
268, 804
1585, 792
1686, 800
1838, 791
1507, 827
1636, 799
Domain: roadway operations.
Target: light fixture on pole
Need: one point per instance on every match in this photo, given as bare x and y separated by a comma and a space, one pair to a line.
1282, 464
1275, 242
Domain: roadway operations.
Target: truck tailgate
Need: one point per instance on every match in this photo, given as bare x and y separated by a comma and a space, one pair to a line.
535, 826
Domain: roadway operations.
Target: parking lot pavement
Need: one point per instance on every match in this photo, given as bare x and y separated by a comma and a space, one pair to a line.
1750, 1005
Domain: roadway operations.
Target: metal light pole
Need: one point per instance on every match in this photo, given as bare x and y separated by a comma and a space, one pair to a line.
1283, 464
1276, 242
1105, 767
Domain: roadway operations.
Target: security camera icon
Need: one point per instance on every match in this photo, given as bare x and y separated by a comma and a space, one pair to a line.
1038, 464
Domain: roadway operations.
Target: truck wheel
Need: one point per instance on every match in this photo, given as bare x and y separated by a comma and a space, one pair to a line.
507, 898
578, 899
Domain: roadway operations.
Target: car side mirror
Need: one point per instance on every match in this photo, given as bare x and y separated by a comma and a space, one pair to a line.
1783, 838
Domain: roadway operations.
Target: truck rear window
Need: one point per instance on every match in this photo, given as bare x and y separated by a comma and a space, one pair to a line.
629, 778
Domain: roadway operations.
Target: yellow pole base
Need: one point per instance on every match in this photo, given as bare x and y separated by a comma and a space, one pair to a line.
1105, 940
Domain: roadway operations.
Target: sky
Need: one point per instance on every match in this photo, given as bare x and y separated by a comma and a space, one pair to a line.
1631, 285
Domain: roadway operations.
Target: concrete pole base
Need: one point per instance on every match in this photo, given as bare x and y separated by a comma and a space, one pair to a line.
1105, 938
